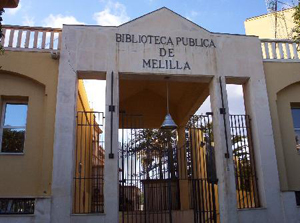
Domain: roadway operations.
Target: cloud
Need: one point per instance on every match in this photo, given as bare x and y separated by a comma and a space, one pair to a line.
192, 15
235, 100
95, 90
57, 21
13, 11
28, 20
114, 14
234, 90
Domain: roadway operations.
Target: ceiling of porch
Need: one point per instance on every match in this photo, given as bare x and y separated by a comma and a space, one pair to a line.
149, 98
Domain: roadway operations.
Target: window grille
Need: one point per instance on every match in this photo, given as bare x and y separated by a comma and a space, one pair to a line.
297, 194
244, 163
89, 164
17, 205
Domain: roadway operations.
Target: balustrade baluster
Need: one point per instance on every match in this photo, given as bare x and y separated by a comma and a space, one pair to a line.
281, 54
19, 38
11, 38
288, 51
27, 39
35, 40
51, 40
267, 50
295, 51
44, 40
274, 54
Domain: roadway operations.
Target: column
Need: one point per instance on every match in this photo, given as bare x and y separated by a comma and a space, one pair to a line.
64, 141
223, 152
111, 169
257, 107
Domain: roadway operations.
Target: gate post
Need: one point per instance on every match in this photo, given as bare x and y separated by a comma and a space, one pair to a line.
223, 152
111, 170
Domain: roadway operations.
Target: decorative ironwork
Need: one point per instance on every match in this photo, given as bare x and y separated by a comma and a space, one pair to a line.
17, 205
89, 164
149, 188
201, 169
152, 168
244, 162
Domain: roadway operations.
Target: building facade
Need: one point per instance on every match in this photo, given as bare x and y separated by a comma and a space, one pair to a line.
217, 167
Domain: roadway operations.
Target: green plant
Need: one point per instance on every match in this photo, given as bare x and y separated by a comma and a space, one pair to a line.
296, 29
1, 34
152, 146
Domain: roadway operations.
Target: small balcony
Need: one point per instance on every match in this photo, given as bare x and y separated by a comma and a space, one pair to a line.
280, 50
25, 38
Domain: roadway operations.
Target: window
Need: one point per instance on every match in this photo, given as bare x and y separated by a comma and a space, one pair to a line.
17, 205
297, 193
13, 127
296, 122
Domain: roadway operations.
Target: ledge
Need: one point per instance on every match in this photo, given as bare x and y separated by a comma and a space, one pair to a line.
29, 50
252, 209
85, 215
17, 215
282, 60
12, 154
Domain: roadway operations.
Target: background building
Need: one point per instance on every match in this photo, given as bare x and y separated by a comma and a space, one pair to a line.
282, 79
276, 25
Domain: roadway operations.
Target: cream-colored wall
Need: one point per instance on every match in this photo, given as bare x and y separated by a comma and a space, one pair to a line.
82, 99
85, 153
83, 157
283, 85
264, 26
32, 75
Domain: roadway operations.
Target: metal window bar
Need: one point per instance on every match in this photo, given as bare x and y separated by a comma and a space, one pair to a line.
244, 163
89, 164
17, 206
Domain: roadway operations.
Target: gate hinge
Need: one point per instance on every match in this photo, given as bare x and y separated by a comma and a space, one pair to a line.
222, 111
111, 156
111, 108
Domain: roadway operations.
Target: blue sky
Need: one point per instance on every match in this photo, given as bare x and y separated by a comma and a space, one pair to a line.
15, 115
215, 15
225, 16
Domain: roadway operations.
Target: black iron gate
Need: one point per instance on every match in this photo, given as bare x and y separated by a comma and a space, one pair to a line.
151, 178
148, 172
88, 179
201, 170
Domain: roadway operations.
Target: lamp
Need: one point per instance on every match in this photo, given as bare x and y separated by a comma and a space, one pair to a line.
168, 122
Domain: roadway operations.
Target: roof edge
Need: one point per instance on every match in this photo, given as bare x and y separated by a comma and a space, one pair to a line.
266, 14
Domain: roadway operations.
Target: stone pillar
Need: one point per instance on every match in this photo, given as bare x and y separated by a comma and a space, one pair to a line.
183, 180
111, 169
224, 161
64, 140
257, 107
